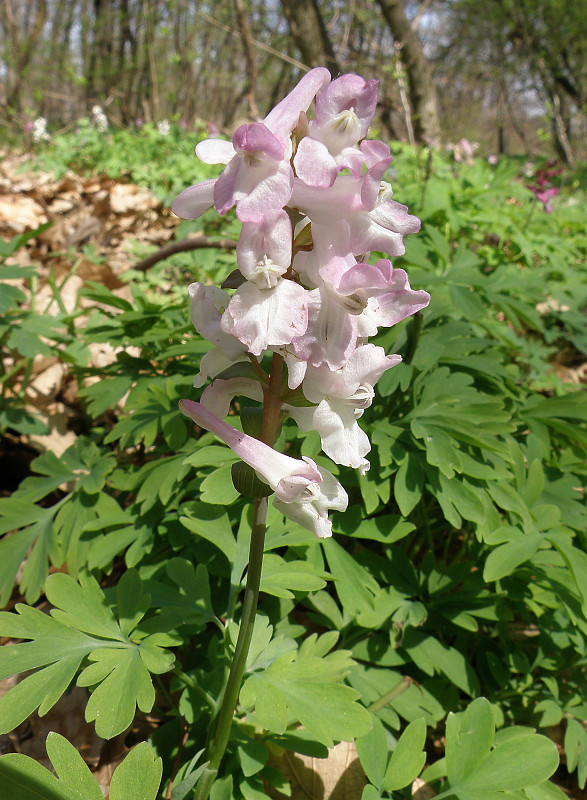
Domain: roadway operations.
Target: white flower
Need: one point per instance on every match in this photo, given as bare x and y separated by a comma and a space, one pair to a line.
40, 130
163, 127
99, 119
342, 395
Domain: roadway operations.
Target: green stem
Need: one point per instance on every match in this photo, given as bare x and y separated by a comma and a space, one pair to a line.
219, 742
233, 685
191, 683
398, 689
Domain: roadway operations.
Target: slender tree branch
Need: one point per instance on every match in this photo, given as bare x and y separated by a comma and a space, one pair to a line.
183, 246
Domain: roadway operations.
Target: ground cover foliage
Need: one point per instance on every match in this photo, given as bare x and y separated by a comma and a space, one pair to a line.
443, 624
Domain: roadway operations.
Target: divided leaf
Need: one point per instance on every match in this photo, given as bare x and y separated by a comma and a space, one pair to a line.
474, 770
306, 687
22, 778
81, 627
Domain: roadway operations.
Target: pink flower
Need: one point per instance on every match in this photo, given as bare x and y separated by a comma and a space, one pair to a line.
258, 177
344, 110
375, 221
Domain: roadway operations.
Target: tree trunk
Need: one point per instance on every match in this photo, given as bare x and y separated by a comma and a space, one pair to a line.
250, 59
24, 48
310, 35
422, 91
561, 125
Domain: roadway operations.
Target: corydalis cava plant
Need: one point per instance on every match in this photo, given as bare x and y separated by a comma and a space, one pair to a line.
313, 203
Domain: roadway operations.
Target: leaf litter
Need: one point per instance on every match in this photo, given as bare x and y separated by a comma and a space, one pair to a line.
94, 220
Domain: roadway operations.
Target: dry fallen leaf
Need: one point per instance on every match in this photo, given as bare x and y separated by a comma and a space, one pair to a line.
422, 790
20, 213
126, 197
337, 777
60, 437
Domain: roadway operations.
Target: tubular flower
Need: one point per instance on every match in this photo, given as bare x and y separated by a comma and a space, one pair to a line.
313, 201
303, 491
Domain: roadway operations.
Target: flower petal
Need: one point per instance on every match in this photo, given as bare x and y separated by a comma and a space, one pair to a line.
314, 164
264, 249
263, 318
345, 93
215, 151
272, 466
218, 396
192, 202
284, 117
257, 139
207, 306
260, 194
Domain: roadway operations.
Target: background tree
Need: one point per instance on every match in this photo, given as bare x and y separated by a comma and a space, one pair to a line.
422, 92
495, 72
309, 32
530, 53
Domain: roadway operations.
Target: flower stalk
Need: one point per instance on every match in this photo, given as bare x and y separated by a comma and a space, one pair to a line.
217, 746
313, 204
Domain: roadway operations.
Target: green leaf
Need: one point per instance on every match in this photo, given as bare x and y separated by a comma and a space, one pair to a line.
576, 749
545, 791
432, 656
281, 578
576, 561
469, 737
474, 771
105, 394
253, 789
409, 482
222, 789
504, 559
372, 752
132, 603
370, 485
22, 778
354, 585
83, 628
408, 758
218, 489
527, 761
370, 793
82, 605
41, 690
25, 779
252, 756
13, 550
310, 689
139, 775
124, 683
194, 587
212, 523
